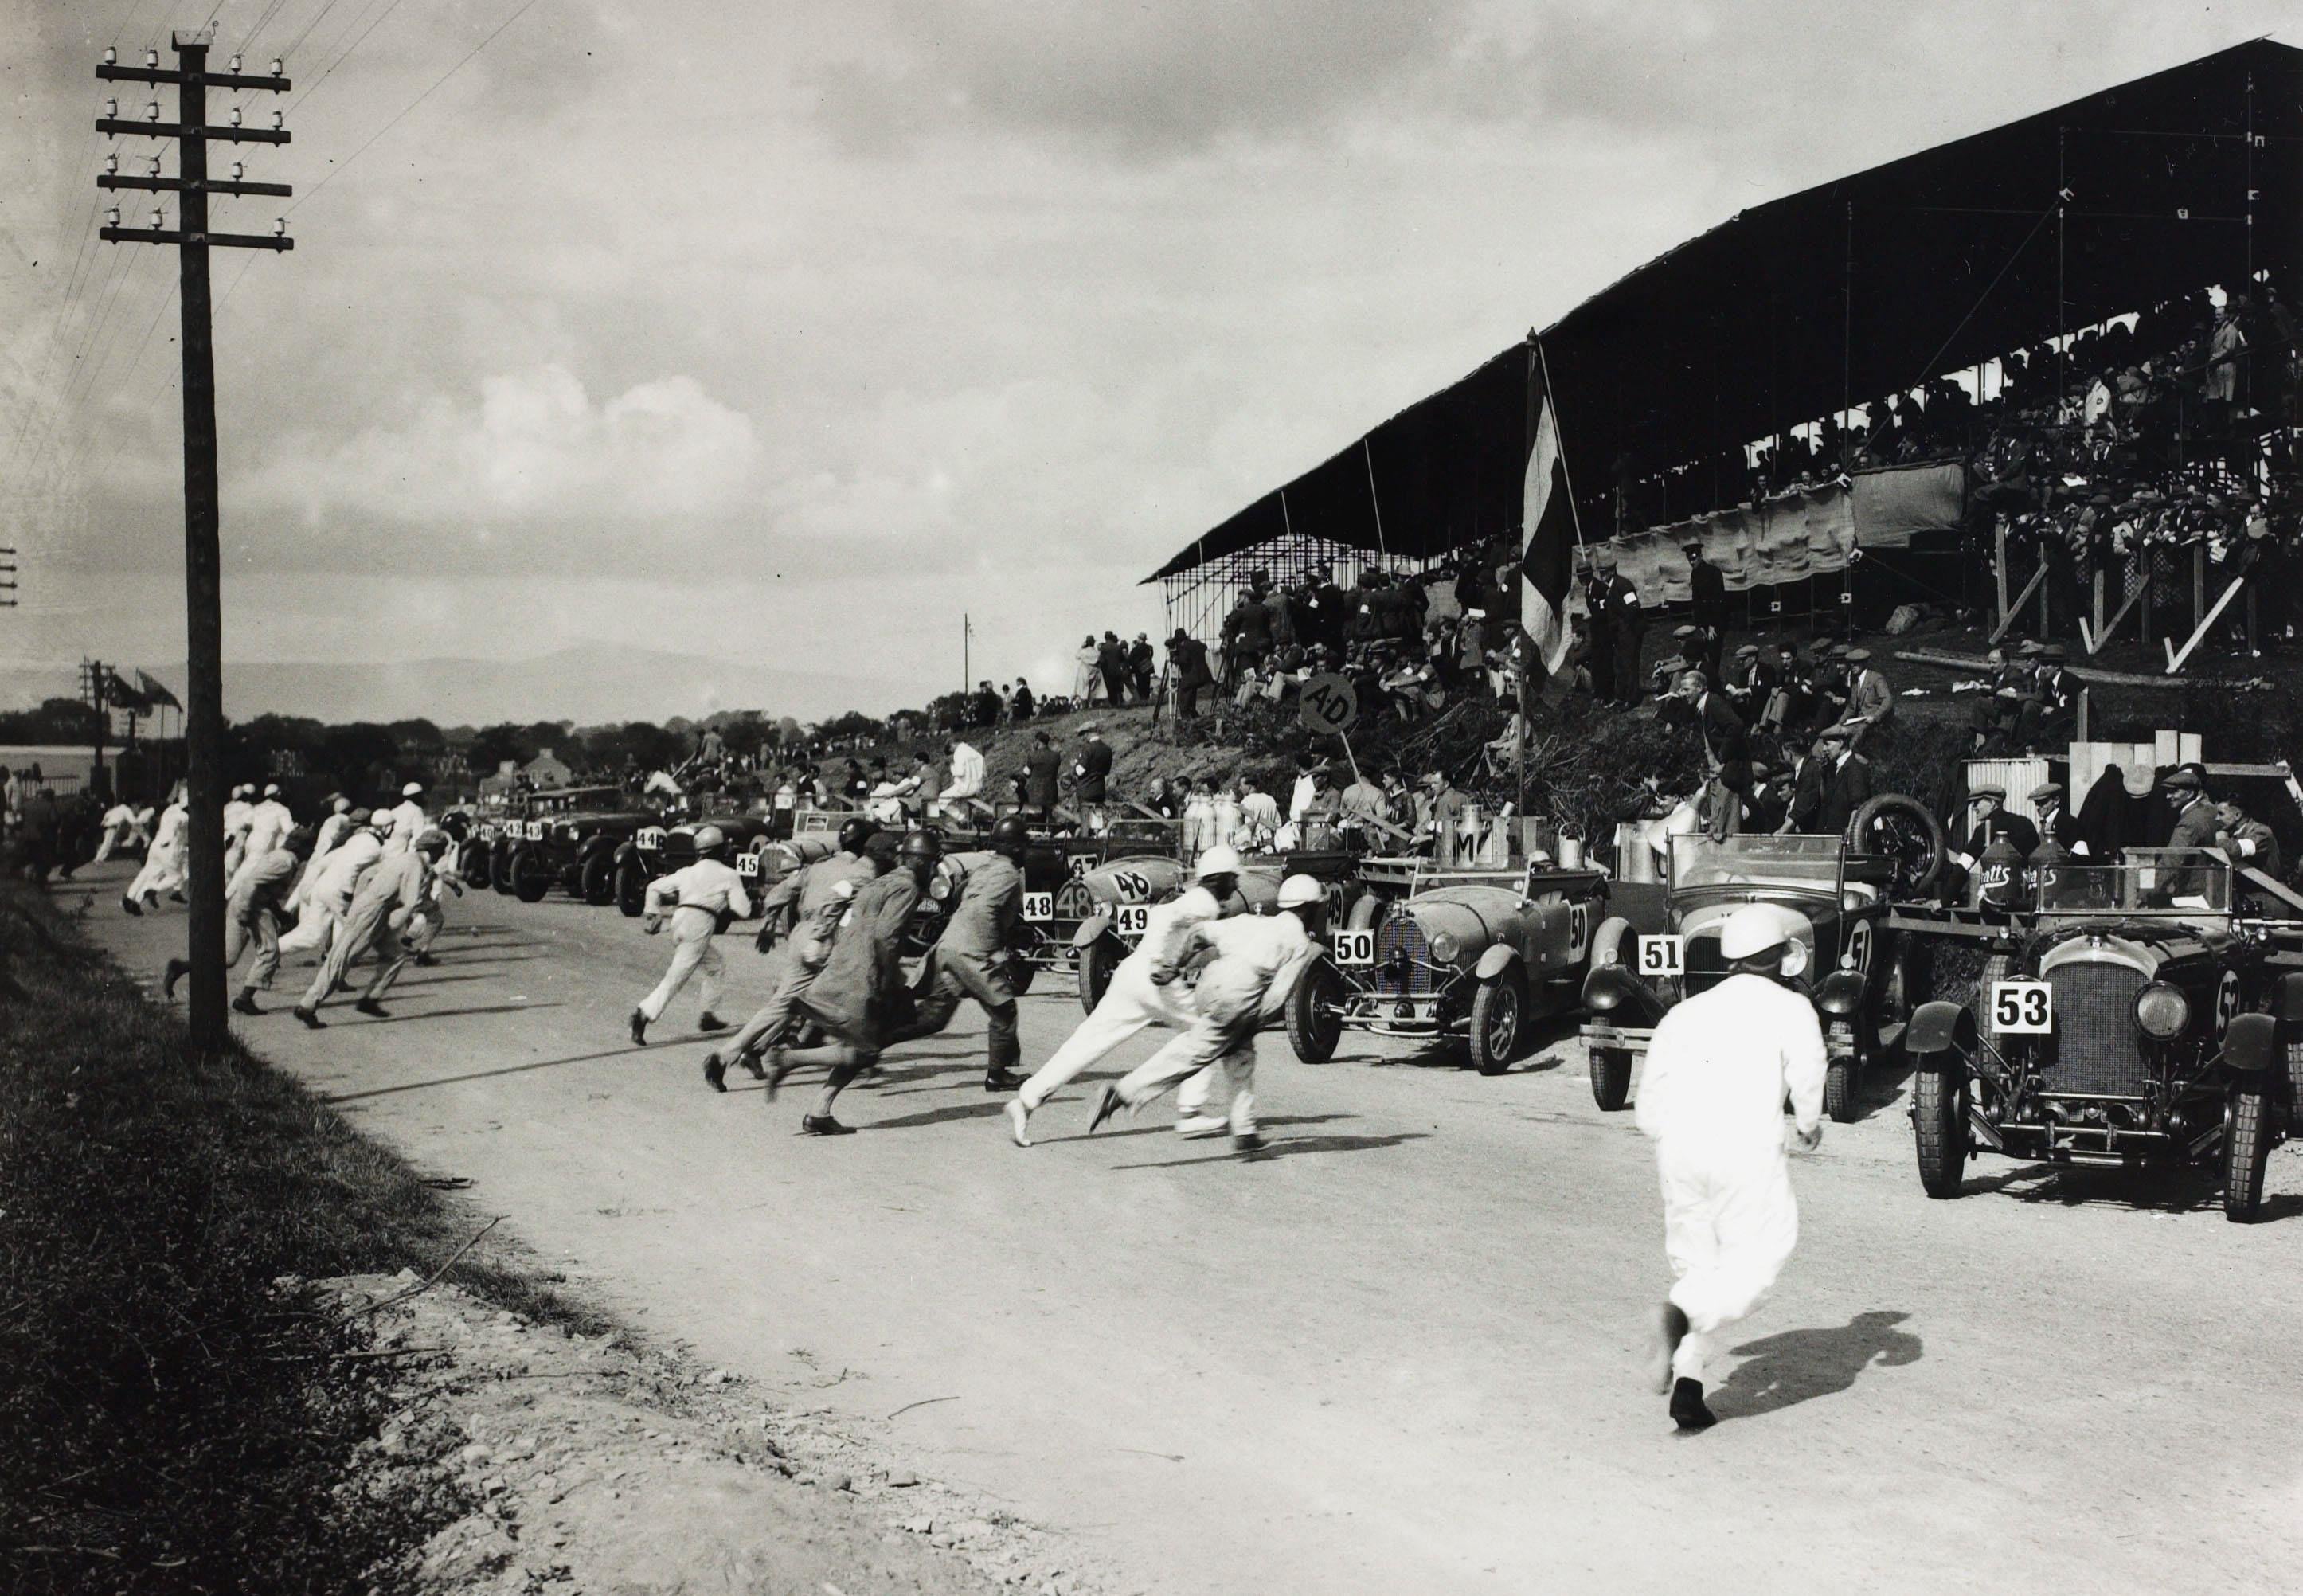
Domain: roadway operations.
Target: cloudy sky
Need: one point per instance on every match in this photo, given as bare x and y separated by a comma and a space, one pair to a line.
788, 332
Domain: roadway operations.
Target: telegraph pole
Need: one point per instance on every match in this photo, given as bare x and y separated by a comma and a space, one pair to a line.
92, 685
7, 578
203, 564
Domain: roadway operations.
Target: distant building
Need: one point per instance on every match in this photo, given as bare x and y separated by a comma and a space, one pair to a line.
545, 771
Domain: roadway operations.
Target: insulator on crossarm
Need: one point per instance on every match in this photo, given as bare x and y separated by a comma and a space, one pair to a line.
279, 121
235, 63
235, 116
111, 165
279, 67
111, 57
157, 220
239, 171
152, 112
112, 217
154, 169
111, 108
151, 57
280, 227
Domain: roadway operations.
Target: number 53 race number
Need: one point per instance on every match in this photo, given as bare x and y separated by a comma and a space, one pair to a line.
2023, 1007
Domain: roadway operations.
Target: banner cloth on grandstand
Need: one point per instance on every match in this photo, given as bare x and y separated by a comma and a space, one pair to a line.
1787, 538
1891, 505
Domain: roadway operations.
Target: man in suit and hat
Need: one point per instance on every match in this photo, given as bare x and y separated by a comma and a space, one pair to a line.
1615, 610
1706, 587
1701, 646
2046, 714
2197, 824
1870, 701
1990, 820
1187, 658
1833, 785
2245, 841
2056, 824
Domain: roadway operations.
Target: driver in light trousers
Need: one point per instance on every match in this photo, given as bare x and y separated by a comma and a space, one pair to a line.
1711, 1100
1144, 992
1258, 959
698, 899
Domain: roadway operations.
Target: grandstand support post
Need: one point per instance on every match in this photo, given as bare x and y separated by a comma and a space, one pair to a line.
2102, 633
2198, 583
2080, 725
1375, 502
2029, 588
2176, 656
1999, 568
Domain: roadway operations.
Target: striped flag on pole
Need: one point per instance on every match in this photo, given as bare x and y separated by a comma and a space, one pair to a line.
1547, 562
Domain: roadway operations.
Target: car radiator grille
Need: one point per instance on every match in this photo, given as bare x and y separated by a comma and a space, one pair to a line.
1408, 976
1705, 968
2096, 1050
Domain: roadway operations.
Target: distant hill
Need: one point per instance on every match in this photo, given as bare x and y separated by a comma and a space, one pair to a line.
589, 685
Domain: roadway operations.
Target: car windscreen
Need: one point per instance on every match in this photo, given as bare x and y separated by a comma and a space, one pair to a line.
2145, 881
1701, 861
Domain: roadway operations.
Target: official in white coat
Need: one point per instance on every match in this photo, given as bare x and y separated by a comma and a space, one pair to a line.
1258, 959
164, 861
1145, 990
124, 827
333, 830
1711, 1098
239, 813
695, 898
409, 821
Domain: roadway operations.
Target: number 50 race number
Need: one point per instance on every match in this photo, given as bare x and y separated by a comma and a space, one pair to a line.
1355, 947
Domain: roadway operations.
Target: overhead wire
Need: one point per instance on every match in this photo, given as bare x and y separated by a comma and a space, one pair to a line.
333, 172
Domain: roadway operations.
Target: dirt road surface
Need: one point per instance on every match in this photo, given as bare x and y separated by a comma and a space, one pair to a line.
1401, 1352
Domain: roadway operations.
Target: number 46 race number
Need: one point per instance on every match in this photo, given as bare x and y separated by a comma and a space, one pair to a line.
2023, 1007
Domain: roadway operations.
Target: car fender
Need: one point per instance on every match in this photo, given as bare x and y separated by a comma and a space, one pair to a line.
1938, 1033
586, 847
1613, 991
1498, 958
2289, 1004
1607, 944
2251, 1045
627, 853
1839, 994
1092, 930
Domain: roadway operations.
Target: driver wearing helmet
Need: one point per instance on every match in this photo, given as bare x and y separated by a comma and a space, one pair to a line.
697, 897
1711, 1100
797, 906
1257, 960
1145, 990
970, 958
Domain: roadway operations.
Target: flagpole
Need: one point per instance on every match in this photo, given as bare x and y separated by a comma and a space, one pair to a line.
1552, 401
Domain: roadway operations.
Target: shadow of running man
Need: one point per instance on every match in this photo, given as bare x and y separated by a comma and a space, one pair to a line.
1801, 1365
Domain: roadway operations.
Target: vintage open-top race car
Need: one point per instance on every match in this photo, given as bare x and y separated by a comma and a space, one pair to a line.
659, 850
2131, 1017
569, 841
1862, 973
1476, 953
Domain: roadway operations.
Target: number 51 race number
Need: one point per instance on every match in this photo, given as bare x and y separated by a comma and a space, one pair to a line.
1663, 956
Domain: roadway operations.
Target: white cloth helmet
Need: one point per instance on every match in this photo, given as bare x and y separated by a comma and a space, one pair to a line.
1756, 928
1222, 859
1297, 891
709, 839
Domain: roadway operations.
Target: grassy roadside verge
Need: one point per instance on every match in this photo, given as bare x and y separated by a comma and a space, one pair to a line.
178, 1411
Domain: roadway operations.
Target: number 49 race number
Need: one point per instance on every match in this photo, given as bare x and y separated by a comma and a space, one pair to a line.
2023, 1007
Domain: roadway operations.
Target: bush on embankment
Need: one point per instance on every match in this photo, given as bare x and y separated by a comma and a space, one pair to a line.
178, 1412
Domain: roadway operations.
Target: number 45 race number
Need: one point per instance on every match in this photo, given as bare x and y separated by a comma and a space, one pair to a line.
2023, 1007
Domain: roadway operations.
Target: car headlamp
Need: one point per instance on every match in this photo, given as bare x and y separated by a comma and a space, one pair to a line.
940, 888
1444, 947
2161, 1012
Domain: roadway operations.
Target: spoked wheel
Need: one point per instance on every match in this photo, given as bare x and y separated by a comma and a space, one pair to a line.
600, 879
631, 891
1906, 832
1315, 1013
1097, 961
530, 881
1498, 1012
500, 868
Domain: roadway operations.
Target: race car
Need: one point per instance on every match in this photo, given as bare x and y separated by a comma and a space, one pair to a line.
1863, 974
568, 840
2131, 1018
655, 850
1475, 953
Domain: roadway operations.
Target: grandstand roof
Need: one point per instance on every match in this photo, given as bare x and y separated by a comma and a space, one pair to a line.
1857, 288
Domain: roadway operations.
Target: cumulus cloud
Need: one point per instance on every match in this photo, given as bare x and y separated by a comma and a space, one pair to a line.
532, 445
